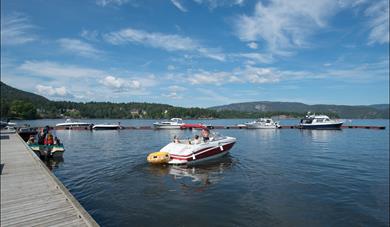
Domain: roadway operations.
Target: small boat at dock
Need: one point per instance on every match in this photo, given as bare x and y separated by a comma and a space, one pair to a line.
69, 124
107, 127
46, 144
312, 121
263, 123
174, 123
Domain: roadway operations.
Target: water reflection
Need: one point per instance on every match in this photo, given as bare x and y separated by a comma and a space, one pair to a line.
321, 136
264, 134
197, 177
53, 163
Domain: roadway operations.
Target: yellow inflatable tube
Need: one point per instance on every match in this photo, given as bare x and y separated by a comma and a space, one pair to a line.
159, 157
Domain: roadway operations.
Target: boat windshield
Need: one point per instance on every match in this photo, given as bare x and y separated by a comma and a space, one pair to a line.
199, 140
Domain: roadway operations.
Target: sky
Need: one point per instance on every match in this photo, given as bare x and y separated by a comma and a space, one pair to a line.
198, 53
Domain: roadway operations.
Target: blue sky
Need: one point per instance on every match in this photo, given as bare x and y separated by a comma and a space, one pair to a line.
198, 52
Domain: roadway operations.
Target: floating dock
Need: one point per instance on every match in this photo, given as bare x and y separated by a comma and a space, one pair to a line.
30, 194
217, 127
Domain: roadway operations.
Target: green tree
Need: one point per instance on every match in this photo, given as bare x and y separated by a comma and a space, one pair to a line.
23, 109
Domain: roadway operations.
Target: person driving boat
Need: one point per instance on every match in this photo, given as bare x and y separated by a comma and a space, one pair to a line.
205, 134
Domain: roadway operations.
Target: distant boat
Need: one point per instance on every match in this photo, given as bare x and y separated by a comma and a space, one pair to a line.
312, 121
69, 124
107, 127
25, 132
174, 123
263, 123
241, 125
8, 129
3, 124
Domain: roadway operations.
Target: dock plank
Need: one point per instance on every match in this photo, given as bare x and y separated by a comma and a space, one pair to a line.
31, 195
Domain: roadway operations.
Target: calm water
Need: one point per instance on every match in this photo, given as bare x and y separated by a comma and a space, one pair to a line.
285, 177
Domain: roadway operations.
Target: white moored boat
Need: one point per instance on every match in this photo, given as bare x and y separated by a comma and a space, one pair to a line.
312, 121
264, 123
69, 124
190, 152
174, 123
107, 127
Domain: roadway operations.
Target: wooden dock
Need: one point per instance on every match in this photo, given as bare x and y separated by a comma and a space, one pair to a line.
30, 194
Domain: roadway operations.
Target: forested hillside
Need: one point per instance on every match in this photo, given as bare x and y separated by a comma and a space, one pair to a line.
17, 104
343, 111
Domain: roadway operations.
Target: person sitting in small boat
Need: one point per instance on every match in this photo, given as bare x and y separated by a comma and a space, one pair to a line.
176, 139
49, 139
31, 140
57, 141
41, 137
205, 135
196, 140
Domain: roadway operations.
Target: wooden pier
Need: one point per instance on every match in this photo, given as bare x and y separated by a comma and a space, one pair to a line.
30, 194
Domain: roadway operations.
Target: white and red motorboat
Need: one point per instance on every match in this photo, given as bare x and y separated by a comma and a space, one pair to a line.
193, 151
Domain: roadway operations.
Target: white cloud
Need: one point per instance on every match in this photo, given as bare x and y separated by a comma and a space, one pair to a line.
169, 42
52, 91
212, 53
378, 13
284, 24
248, 74
366, 72
75, 74
119, 83
79, 47
111, 2
158, 40
252, 45
257, 57
174, 92
59, 71
173, 95
212, 4
260, 75
91, 35
176, 88
16, 29
171, 67
216, 78
179, 5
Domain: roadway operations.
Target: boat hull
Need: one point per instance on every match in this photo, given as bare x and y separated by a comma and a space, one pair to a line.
202, 155
167, 126
87, 127
249, 126
321, 126
48, 150
106, 127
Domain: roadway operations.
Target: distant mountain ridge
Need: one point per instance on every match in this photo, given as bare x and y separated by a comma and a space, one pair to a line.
344, 111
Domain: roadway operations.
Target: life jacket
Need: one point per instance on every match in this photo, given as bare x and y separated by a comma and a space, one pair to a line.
49, 139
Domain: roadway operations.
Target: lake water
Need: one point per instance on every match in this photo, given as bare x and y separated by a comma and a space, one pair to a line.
285, 177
